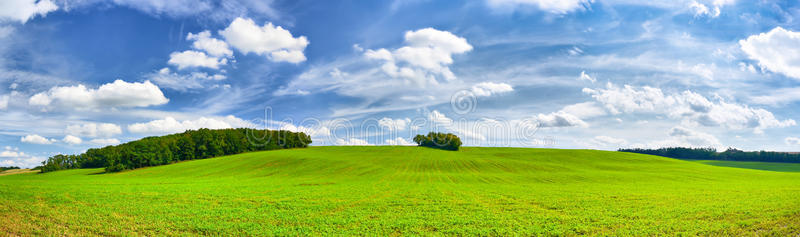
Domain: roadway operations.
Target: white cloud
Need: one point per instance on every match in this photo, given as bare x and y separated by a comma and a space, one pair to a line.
694, 138
191, 58
170, 125
462, 129
314, 131
352, 142
113, 95
212, 46
94, 130
490, 88
24, 10
552, 6
584, 110
586, 77
439, 118
399, 141
559, 119
11, 156
72, 140
3, 102
777, 50
612, 141
276, 43
105, 141
792, 141
683, 137
183, 82
395, 124
427, 54
701, 9
36, 139
687, 105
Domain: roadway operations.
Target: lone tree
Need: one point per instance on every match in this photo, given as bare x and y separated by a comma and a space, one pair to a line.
445, 141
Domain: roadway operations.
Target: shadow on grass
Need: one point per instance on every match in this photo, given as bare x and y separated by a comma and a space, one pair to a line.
768, 166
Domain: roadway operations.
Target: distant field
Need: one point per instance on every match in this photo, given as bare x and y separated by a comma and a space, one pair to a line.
407, 190
771, 166
16, 171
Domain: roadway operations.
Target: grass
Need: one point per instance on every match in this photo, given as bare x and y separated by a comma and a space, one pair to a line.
771, 166
408, 191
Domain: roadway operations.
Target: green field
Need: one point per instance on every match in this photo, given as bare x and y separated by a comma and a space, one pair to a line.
771, 166
407, 190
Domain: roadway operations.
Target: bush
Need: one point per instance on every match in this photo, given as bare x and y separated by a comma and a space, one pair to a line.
443, 141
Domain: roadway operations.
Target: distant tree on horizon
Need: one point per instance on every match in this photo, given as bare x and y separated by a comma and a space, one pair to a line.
445, 141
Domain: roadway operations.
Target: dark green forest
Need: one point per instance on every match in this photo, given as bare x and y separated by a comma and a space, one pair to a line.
189, 145
731, 154
445, 141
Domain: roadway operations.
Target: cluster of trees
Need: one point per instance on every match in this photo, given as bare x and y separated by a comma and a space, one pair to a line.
731, 154
446, 141
4, 168
189, 145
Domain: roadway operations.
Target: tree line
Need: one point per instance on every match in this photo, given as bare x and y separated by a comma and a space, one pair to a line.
731, 154
4, 168
445, 141
189, 145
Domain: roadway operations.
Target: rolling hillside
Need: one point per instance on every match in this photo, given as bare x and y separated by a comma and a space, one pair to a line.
406, 190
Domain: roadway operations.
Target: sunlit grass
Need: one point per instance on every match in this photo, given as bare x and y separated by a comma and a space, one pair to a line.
407, 190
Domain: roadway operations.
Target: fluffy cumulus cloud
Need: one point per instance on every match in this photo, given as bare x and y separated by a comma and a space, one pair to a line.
708, 8
171, 125
427, 55
584, 110
36, 139
777, 50
166, 78
12, 156
193, 59
688, 105
318, 131
104, 141
399, 141
94, 130
23, 10
72, 140
559, 119
490, 88
276, 43
352, 142
437, 117
552, 6
212, 46
118, 94
394, 124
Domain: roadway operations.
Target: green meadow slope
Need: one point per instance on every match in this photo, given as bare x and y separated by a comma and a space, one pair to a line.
407, 190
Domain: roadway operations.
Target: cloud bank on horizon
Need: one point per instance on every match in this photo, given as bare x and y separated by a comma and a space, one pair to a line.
597, 74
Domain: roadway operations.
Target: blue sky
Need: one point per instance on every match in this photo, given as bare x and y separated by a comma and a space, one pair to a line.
524, 73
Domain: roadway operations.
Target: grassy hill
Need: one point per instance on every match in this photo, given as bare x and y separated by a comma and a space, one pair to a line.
406, 190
